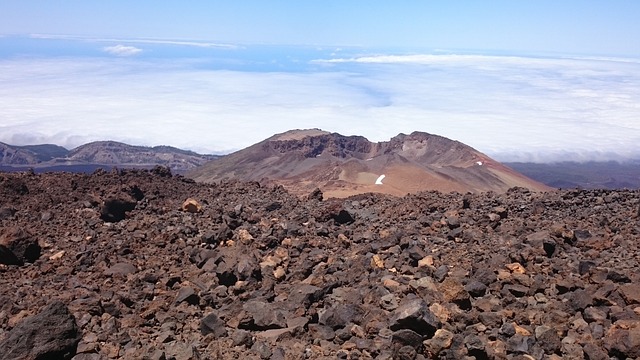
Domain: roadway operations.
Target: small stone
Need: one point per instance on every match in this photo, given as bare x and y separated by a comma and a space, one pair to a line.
406, 353
241, 338
390, 284
594, 352
212, 324
441, 272
415, 315
585, 266
517, 290
407, 337
623, 339
389, 302
377, 262
593, 314
441, 340
516, 268
122, 269
338, 317
57, 255
245, 236
279, 273
476, 288
426, 262
262, 349
630, 293
187, 294
191, 205
454, 292
521, 331
475, 346
520, 344
507, 329
548, 340
318, 331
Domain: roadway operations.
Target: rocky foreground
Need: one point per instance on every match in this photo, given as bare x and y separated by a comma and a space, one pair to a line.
121, 265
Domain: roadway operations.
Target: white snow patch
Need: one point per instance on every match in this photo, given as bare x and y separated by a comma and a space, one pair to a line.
479, 163
379, 181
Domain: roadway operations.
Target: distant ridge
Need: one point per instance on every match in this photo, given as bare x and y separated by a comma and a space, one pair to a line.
340, 166
29, 154
98, 154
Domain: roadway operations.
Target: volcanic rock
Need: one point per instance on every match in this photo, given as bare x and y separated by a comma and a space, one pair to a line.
415, 315
18, 246
260, 272
51, 334
212, 324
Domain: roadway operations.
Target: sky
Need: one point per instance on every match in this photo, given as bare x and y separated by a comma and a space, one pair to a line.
519, 80
568, 26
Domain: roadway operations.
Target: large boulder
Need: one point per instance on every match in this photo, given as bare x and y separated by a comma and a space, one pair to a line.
17, 247
51, 334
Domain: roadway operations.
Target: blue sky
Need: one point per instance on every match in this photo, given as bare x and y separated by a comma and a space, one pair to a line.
519, 80
593, 27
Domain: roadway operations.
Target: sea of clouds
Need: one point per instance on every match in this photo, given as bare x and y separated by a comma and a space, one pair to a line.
513, 108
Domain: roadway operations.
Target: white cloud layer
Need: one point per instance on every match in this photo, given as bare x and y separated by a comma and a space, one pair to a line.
122, 50
512, 108
199, 44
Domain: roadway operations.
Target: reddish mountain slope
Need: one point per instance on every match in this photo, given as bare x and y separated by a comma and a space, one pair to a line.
340, 166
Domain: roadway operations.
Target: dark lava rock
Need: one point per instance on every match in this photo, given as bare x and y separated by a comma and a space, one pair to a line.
187, 294
519, 344
51, 334
122, 269
6, 212
318, 331
339, 316
407, 337
585, 266
550, 341
115, 209
476, 288
406, 353
316, 194
263, 316
593, 352
441, 273
517, 290
17, 247
343, 217
212, 324
415, 315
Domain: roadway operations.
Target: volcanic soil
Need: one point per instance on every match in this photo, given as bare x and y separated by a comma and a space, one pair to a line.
145, 265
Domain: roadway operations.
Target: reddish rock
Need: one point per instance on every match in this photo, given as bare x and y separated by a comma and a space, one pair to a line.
623, 339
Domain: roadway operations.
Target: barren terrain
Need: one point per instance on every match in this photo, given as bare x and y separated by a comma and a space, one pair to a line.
121, 265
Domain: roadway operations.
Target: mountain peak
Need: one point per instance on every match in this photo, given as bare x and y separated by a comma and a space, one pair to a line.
302, 160
298, 134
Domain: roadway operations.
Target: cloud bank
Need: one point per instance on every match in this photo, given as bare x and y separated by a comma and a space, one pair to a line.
122, 50
512, 108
